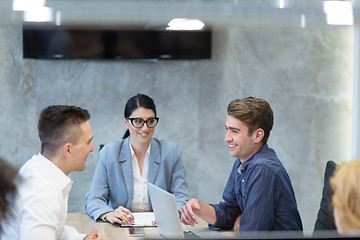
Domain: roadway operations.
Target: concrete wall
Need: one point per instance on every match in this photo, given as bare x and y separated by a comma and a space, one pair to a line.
305, 74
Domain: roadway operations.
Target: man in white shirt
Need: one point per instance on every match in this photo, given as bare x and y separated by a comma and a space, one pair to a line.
66, 141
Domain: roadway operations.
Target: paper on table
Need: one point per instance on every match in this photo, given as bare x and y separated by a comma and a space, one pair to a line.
142, 219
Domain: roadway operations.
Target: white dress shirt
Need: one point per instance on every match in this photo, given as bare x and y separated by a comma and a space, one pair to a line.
41, 206
141, 201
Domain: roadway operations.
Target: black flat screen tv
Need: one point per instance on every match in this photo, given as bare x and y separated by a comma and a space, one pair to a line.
82, 43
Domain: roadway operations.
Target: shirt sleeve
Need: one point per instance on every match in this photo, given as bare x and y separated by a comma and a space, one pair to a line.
259, 200
103, 216
40, 215
178, 185
70, 233
228, 209
96, 200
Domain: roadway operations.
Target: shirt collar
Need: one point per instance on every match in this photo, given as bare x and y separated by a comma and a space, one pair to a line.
58, 177
243, 165
147, 154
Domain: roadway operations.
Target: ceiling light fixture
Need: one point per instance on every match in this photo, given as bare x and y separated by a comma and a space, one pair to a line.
338, 12
58, 18
178, 24
24, 5
282, 4
34, 10
41, 14
303, 21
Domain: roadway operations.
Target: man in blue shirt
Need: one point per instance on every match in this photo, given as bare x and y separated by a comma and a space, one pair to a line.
258, 195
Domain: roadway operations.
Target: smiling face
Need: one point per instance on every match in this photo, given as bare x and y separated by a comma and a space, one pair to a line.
241, 144
140, 136
80, 151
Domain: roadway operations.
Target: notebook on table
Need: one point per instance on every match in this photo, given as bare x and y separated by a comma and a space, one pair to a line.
141, 219
168, 218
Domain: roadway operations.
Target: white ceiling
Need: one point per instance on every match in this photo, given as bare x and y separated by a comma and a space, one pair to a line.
254, 13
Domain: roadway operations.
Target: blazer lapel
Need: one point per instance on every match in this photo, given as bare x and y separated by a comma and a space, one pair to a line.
154, 161
126, 162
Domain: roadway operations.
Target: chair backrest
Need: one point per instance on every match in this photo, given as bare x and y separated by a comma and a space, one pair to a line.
325, 218
101, 146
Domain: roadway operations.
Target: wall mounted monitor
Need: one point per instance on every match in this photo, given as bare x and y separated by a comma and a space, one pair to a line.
52, 42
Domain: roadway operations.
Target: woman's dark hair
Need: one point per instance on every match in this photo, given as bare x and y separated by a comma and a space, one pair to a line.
139, 100
8, 189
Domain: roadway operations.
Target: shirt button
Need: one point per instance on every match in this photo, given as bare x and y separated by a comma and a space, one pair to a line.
243, 180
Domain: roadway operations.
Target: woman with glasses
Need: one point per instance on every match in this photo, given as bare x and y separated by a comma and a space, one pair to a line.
119, 183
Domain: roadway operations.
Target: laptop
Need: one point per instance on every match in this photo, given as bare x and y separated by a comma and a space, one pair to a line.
168, 218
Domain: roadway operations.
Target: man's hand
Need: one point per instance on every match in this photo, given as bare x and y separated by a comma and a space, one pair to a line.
188, 212
121, 215
237, 223
94, 235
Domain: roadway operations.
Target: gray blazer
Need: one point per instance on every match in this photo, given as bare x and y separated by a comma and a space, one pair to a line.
112, 185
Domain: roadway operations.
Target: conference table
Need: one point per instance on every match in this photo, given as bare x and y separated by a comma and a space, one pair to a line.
84, 224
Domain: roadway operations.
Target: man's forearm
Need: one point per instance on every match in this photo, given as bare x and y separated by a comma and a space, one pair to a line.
206, 212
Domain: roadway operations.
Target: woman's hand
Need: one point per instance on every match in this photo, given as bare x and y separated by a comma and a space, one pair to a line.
121, 215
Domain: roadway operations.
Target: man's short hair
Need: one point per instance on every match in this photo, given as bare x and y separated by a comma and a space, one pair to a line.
8, 175
59, 124
254, 112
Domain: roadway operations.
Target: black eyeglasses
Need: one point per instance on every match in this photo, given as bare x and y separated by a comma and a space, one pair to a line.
139, 122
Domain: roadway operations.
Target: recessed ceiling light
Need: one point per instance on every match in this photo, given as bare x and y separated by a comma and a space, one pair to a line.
185, 24
338, 12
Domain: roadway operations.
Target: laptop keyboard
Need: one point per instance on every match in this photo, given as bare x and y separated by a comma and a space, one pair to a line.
190, 235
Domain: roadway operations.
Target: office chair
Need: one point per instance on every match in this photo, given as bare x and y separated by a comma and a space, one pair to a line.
101, 146
325, 218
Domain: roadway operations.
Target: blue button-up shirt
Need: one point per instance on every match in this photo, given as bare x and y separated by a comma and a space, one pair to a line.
259, 189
